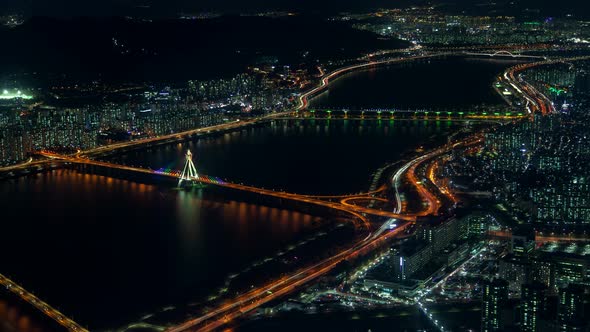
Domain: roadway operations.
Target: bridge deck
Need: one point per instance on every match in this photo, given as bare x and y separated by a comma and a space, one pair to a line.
353, 209
40, 305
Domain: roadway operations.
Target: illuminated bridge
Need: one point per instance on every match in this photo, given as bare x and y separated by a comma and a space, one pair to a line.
421, 114
45, 308
503, 53
189, 176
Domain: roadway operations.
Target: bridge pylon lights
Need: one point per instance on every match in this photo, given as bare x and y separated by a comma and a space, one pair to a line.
189, 172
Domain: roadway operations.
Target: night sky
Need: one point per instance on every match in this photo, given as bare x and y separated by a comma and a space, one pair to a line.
172, 7
121, 7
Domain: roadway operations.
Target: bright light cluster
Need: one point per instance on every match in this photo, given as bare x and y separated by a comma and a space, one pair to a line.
7, 95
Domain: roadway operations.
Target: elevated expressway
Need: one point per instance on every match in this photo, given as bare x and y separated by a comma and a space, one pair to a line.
45, 308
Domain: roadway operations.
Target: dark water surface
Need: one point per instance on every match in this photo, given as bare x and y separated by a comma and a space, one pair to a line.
436, 83
105, 249
301, 156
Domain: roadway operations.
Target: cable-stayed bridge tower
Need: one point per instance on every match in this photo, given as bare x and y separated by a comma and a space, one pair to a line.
189, 173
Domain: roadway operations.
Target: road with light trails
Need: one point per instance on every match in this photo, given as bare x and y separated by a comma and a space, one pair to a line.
40, 305
540, 237
345, 201
442, 188
536, 101
434, 204
359, 195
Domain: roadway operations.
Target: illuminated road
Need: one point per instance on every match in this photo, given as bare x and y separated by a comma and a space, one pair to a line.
417, 115
21, 166
431, 200
39, 304
541, 237
536, 102
442, 187
346, 201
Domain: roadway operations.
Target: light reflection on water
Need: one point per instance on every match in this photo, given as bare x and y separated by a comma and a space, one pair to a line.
13, 317
107, 246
